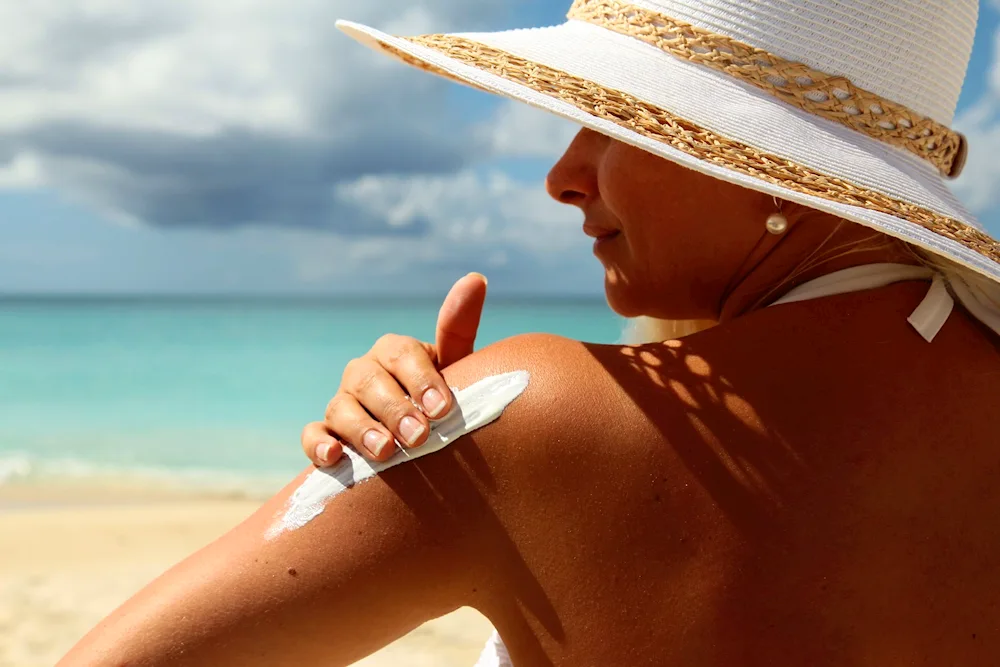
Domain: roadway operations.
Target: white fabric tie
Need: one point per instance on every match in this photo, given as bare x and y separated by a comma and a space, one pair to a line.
930, 316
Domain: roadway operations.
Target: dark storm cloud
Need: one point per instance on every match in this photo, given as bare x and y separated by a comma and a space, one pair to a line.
240, 177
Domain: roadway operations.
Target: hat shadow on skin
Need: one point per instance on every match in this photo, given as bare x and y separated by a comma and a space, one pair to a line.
741, 462
750, 471
841, 532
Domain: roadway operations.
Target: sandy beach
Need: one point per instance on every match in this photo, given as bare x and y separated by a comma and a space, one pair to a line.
64, 566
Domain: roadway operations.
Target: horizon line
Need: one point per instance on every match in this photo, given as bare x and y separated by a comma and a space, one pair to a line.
276, 296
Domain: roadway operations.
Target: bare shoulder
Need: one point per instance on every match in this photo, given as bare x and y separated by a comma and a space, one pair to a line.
569, 482
582, 402
567, 378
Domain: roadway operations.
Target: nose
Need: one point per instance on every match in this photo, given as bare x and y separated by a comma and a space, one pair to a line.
573, 179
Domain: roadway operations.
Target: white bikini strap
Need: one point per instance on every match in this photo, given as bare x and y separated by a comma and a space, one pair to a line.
929, 317
855, 279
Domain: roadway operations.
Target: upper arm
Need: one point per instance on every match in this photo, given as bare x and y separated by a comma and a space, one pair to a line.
418, 541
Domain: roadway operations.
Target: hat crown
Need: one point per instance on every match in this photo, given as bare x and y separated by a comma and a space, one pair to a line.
913, 52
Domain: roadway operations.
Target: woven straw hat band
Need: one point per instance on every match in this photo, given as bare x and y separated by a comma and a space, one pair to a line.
843, 107
660, 125
833, 97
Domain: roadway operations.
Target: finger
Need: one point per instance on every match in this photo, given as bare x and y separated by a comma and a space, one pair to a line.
411, 363
458, 320
380, 395
354, 426
320, 446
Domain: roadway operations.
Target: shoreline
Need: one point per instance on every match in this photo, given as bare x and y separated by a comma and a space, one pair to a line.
74, 552
132, 488
73, 481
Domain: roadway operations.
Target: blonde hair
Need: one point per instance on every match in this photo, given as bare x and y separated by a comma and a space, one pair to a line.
645, 330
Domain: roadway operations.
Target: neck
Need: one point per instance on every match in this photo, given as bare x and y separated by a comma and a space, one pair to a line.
816, 244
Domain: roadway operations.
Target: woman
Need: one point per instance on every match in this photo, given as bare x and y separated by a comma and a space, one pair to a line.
799, 484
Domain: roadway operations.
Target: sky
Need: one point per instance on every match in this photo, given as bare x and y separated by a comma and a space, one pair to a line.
248, 147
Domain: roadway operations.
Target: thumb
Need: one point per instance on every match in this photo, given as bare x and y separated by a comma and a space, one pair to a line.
458, 320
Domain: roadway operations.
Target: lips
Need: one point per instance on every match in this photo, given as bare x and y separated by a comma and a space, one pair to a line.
600, 233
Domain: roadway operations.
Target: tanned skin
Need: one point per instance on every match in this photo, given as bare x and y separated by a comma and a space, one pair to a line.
810, 484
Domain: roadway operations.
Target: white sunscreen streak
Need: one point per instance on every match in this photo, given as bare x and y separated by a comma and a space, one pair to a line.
475, 407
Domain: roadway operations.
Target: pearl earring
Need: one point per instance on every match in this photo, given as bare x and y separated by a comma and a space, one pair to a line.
777, 223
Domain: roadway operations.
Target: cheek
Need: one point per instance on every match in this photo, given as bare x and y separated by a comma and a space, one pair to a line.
683, 233
632, 195
655, 206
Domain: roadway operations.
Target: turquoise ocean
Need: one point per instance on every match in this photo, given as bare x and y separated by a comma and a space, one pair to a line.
204, 391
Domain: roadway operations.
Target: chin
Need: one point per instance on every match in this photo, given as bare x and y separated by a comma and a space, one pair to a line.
628, 297
619, 300
631, 304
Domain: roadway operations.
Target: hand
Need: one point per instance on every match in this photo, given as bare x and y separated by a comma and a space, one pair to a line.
373, 405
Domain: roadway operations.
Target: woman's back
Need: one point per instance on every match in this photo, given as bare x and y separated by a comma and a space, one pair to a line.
816, 497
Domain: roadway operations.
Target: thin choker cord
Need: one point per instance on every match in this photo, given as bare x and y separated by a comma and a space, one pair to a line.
819, 256
767, 244
812, 261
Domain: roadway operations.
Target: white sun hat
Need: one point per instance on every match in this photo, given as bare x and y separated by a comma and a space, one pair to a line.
843, 106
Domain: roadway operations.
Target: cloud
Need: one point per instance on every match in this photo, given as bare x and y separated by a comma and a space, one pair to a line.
222, 113
230, 179
23, 170
523, 131
524, 242
979, 185
470, 208
318, 161
471, 221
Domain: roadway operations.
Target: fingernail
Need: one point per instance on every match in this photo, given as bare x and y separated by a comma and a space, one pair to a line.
433, 402
375, 441
411, 429
485, 279
323, 452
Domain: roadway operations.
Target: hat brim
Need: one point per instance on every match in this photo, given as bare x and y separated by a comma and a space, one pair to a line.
744, 135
